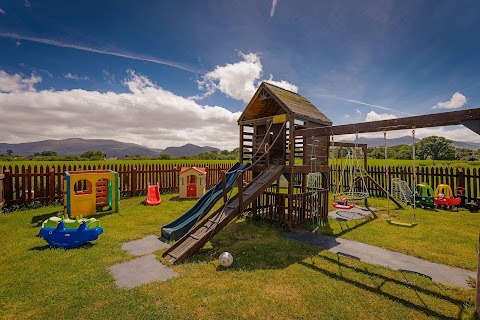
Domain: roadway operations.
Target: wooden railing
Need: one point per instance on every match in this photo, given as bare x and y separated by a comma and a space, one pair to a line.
273, 206
26, 184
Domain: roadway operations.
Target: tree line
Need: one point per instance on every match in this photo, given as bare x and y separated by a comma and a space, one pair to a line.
435, 148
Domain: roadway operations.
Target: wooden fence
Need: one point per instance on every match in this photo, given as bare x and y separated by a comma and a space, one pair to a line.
27, 184
2, 198
467, 178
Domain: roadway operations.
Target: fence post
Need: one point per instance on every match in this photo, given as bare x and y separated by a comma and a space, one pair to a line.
2, 197
51, 184
477, 289
134, 181
8, 191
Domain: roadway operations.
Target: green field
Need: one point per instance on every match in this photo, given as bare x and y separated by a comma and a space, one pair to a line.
371, 162
111, 163
271, 278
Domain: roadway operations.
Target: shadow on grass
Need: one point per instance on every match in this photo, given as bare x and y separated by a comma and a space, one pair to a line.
38, 220
254, 246
346, 226
178, 199
87, 245
421, 307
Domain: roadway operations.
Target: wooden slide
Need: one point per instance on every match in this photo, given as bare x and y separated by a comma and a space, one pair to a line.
205, 230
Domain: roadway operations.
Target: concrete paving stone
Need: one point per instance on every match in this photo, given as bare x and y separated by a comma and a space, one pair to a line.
141, 271
390, 259
143, 246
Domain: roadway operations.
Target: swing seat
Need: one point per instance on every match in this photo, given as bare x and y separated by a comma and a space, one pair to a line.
340, 205
401, 224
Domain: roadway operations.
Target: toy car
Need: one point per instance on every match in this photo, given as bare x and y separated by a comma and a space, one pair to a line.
444, 197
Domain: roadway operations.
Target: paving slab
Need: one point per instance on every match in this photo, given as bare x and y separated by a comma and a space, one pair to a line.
141, 271
143, 246
390, 259
352, 214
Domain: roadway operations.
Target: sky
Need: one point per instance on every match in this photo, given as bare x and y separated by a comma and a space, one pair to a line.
167, 73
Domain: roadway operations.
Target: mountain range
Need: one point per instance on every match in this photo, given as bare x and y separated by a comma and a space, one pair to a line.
378, 142
112, 148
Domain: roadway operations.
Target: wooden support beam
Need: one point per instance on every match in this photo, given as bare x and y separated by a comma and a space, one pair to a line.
348, 144
384, 191
468, 117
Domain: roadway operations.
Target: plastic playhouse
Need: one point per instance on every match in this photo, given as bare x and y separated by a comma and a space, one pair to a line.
89, 192
444, 197
153, 195
68, 233
192, 182
423, 196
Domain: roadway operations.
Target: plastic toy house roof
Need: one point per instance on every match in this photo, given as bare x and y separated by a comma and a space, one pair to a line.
185, 169
270, 100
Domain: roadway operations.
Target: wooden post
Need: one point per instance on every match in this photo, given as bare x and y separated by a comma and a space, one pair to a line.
224, 186
241, 144
240, 192
51, 184
2, 197
477, 288
365, 166
134, 181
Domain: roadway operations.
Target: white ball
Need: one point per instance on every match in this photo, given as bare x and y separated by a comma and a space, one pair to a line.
226, 259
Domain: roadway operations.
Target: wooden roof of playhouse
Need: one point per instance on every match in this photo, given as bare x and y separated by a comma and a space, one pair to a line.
270, 100
200, 170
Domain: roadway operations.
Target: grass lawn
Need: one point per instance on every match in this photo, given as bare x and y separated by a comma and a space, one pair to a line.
444, 236
272, 277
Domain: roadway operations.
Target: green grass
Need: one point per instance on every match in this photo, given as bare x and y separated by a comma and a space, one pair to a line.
272, 277
444, 236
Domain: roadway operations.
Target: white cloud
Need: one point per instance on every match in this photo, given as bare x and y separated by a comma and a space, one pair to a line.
272, 11
373, 116
27, 4
238, 80
283, 84
74, 76
2, 11
18, 43
148, 115
358, 111
458, 100
17, 83
126, 55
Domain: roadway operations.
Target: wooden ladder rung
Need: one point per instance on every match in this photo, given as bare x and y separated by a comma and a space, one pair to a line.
194, 237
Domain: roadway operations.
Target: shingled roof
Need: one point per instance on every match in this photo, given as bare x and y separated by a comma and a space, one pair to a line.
270, 99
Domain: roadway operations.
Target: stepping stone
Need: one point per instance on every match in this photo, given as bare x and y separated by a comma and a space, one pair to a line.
141, 271
351, 214
143, 246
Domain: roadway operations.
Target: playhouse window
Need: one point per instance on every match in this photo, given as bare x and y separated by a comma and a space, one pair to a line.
82, 187
192, 179
181, 181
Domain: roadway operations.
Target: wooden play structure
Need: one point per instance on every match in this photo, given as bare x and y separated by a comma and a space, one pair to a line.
89, 192
282, 133
192, 181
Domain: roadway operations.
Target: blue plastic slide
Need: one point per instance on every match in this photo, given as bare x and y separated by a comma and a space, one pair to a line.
178, 228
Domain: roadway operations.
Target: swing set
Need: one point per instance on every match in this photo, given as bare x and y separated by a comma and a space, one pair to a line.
387, 179
344, 199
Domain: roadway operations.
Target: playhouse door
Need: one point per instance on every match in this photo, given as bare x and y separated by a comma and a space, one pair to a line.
192, 191
192, 186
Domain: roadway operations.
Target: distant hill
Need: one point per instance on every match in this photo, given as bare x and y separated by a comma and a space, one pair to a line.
77, 146
378, 142
187, 150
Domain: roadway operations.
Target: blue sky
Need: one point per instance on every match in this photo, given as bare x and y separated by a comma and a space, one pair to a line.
164, 73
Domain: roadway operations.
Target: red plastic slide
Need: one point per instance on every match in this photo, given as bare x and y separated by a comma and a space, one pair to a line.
153, 195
